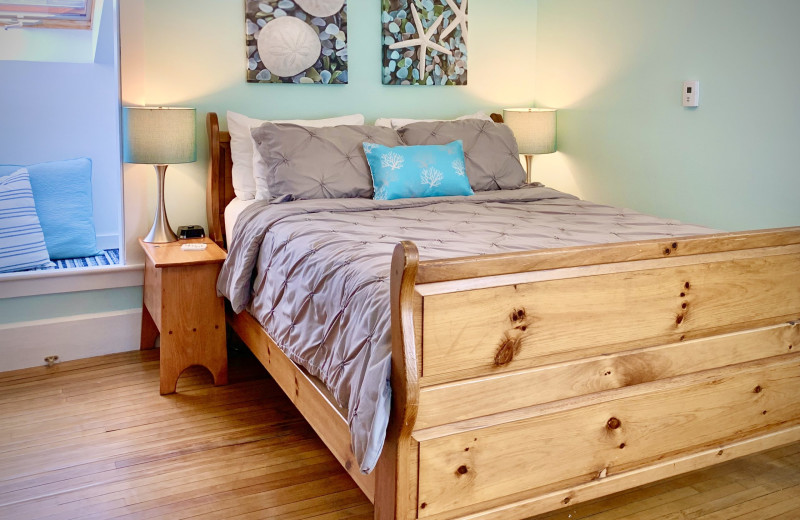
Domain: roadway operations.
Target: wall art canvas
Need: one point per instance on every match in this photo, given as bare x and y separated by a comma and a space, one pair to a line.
296, 41
424, 42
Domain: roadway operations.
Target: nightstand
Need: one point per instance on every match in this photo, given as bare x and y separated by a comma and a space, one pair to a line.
180, 302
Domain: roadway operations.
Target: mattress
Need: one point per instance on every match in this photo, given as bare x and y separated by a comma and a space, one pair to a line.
232, 212
315, 274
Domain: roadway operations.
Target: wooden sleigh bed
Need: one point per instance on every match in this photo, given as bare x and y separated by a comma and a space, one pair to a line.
529, 381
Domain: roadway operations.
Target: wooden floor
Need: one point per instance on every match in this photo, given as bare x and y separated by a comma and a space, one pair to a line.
93, 439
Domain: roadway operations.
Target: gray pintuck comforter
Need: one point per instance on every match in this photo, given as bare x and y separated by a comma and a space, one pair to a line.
315, 274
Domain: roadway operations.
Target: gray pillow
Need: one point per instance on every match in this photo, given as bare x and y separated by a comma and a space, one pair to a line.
319, 163
490, 150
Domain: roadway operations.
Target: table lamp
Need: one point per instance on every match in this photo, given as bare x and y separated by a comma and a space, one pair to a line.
534, 129
159, 136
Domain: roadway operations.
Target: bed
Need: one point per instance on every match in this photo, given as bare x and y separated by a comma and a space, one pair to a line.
579, 371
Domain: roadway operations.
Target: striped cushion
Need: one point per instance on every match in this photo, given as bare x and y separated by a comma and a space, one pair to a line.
108, 257
21, 240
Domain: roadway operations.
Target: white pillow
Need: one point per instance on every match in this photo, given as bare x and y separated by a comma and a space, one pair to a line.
399, 123
249, 173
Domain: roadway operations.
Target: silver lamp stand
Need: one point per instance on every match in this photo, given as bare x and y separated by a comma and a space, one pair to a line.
161, 232
528, 167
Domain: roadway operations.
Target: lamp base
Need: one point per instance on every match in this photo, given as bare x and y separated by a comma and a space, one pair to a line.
528, 165
161, 232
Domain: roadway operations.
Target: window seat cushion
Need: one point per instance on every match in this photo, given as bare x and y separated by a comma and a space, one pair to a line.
105, 258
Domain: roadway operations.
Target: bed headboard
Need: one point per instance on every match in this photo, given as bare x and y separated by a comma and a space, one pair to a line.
219, 190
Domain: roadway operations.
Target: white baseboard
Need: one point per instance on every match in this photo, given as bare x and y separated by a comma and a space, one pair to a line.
26, 344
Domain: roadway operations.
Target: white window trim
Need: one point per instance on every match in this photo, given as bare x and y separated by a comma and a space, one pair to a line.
33, 283
23, 19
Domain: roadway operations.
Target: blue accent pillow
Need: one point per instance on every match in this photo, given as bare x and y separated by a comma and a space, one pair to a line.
417, 171
21, 240
63, 194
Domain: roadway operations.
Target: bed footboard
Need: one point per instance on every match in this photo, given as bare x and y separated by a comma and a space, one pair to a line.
532, 381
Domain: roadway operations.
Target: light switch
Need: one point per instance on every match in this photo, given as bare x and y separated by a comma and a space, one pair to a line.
691, 93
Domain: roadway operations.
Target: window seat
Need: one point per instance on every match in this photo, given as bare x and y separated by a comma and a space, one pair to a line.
71, 275
108, 257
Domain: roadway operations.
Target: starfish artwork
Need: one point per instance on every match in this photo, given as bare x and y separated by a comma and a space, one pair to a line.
424, 42
460, 20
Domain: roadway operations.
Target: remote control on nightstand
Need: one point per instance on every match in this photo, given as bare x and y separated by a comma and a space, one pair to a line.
193, 247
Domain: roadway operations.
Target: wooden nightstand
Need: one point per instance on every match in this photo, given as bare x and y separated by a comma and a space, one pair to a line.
180, 301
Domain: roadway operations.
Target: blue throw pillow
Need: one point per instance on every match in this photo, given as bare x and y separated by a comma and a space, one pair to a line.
417, 171
21, 240
63, 194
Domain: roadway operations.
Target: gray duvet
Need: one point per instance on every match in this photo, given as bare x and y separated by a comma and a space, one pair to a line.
315, 274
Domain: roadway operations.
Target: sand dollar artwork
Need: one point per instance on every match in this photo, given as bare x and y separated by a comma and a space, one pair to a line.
296, 41
288, 46
320, 8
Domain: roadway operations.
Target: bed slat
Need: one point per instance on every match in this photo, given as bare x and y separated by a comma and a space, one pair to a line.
610, 435
485, 331
526, 261
313, 402
453, 402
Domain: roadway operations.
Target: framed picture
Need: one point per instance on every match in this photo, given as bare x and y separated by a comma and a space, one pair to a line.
424, 42
296, 41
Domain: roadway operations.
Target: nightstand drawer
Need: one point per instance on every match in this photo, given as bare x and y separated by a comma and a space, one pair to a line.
152, 291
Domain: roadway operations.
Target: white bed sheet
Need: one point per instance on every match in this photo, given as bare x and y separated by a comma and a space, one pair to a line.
232, 212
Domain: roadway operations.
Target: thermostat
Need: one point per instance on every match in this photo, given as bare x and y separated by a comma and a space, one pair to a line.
691, 93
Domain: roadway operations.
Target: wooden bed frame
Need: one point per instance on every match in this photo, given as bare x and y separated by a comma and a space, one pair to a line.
529, 381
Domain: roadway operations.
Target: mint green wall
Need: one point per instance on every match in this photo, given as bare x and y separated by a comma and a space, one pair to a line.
47, 306
194, 55
615, 67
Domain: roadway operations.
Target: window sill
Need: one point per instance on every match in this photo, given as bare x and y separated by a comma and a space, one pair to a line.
15, 285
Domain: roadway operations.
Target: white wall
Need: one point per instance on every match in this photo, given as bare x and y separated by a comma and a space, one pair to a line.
52, 111
58, 110
52, 45
614, 68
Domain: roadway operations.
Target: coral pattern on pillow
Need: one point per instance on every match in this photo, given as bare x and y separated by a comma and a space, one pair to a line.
402, 172
21, 239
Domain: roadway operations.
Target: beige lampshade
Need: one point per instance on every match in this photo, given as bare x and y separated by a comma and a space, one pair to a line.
158, 135
534, 129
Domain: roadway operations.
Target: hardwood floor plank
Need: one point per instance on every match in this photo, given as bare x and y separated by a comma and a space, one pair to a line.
755, 507
94, 439
299, 510
239, 458
781, 510
290, 489
660, 510
154, 498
